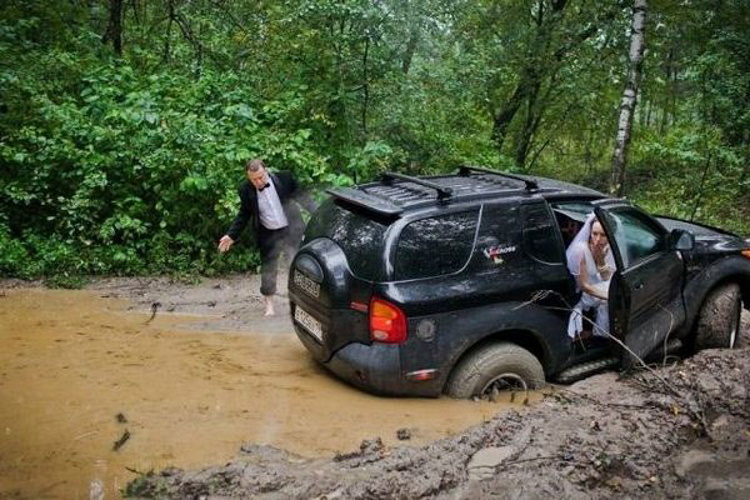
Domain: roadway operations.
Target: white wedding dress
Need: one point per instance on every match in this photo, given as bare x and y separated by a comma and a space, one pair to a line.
577, 252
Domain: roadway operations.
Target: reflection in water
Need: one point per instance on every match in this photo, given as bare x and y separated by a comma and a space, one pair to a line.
70, 362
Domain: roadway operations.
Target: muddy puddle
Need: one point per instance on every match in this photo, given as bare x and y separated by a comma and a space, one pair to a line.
79, 373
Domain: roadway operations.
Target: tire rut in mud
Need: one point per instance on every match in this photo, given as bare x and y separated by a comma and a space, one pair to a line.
600, 437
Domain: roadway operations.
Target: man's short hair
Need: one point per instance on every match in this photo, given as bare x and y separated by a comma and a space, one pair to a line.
254, 165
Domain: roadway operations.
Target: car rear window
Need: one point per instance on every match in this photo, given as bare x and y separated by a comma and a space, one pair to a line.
436, 246
358, 234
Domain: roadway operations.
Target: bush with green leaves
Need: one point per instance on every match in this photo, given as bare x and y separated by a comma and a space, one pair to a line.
121, 172
127, 160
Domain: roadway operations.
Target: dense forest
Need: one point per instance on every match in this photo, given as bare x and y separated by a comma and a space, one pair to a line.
124, 124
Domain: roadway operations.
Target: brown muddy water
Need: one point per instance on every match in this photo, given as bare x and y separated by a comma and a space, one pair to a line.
71, 361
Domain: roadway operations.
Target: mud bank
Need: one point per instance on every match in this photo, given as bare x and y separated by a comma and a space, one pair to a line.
683, 431
197, 381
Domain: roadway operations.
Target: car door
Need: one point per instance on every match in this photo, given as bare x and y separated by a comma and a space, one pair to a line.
645, 294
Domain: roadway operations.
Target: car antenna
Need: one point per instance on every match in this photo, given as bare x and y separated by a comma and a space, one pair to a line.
465, 170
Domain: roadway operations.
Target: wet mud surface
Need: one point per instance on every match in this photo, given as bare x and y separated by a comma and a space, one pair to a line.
680, 433
211, 381
83, 370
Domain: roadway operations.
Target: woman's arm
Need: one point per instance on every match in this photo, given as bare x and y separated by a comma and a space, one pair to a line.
586, 285
601, 261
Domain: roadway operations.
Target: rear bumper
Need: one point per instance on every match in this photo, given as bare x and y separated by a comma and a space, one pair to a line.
374, 368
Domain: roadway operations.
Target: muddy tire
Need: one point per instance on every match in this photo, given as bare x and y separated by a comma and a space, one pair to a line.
719, 319
743, 339
500, 365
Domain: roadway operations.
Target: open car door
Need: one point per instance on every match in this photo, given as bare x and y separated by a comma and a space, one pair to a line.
645, 294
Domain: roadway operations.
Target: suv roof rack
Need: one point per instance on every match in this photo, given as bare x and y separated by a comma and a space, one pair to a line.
366, 201
465, 170
443, 192
397, 193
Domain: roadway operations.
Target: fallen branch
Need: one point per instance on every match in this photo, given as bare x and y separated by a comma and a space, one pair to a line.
543, 294
666, 337
154, 308
692, 399
123, 439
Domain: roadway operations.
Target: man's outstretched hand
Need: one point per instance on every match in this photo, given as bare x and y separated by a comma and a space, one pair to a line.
225, 243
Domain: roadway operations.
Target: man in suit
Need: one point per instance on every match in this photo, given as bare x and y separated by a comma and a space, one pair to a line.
270, 202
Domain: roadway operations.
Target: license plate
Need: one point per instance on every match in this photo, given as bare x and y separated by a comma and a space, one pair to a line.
306, 284
310, 324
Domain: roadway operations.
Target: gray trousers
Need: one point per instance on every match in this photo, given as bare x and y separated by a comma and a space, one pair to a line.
276, 246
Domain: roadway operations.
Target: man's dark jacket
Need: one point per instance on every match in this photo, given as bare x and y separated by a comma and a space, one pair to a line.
290, 195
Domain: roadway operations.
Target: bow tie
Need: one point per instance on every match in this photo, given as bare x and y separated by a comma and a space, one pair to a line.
264, 187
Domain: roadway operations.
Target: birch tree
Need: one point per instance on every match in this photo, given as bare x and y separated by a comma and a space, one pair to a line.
629, 97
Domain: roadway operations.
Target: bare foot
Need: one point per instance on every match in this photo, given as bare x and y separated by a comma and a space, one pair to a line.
270, 311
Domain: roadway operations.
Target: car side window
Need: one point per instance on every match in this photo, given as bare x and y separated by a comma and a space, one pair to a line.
636, 236
435, 246
539, 236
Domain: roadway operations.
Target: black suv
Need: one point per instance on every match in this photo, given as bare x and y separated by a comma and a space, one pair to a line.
458, 284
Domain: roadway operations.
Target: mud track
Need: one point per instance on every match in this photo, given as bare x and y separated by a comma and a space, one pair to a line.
602, 438
683, 431
680, 431
140, 374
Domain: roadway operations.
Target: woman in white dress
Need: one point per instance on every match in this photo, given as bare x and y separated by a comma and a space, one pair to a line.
590, 261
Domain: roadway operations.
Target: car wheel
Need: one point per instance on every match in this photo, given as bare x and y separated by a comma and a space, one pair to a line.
719, 318
743, 338
493, 367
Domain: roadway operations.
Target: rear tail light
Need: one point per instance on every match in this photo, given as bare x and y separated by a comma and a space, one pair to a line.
746, 253
387, 322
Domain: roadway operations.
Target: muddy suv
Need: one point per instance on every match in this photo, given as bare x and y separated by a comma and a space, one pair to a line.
458, 284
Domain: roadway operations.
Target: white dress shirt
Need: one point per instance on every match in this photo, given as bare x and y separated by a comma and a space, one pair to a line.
270, 211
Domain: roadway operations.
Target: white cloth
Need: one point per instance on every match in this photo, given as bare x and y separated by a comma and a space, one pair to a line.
270, 211
578, 252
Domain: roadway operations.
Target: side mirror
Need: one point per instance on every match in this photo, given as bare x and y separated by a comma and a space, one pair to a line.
682, 240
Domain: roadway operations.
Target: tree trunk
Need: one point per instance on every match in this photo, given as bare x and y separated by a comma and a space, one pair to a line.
505, 115
530, 126
114, 28
168, 39
411, 48
534, 75
365, 89
189, 35
629, 98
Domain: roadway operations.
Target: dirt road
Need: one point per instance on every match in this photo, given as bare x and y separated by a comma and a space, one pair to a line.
206, 375
677, 432
210, 381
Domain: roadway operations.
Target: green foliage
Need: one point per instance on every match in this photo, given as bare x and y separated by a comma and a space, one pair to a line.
65, 280
120, 172
699, 177
129, 165
146, 485
14, 258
